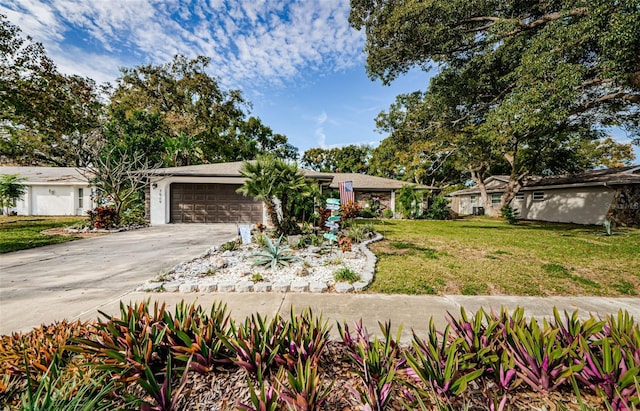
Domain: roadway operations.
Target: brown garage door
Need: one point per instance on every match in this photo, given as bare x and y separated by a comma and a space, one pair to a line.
212, 203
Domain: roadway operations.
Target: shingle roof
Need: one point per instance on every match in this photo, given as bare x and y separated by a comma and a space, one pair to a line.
367, 182
47, 174
360, 181
609, 176
217, 169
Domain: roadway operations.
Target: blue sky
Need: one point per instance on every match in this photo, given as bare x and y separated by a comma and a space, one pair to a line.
298, 62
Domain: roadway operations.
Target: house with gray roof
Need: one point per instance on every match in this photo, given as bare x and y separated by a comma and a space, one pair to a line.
590, 197
52, 191
206, 193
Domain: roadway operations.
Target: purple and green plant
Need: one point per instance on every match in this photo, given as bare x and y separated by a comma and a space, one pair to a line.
197, 336
439, 364
572, 327
377, 363
305, 340
256, 342
302, 389
162, 392
611, 372
264, 398
541, 358
128, 345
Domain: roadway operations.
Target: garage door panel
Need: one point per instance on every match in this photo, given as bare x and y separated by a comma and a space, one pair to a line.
212, 203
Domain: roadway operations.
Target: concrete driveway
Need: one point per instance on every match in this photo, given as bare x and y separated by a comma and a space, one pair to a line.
72, 279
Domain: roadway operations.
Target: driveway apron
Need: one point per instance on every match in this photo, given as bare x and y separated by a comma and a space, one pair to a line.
68, 280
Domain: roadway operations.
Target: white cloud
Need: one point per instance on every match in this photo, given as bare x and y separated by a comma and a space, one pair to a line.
249, 41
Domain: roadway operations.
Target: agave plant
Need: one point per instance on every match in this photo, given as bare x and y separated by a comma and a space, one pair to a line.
274, 254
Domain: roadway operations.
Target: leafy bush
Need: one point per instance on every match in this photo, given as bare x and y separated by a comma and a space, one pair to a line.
350, 210
368, 213
344, 243
323, 215
387, 213
510, 214
347, 275
274, 254
133, 216
103, 217
439, 209
409, 201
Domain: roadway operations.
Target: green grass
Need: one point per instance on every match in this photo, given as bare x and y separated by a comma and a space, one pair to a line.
480, 256
22, 232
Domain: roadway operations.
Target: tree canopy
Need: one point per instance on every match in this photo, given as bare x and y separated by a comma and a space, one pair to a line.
45, 116
194, 107
522, 87
348, 159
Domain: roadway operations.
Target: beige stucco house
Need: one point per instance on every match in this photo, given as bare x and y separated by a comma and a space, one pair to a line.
52, 191
585, 198
206, 193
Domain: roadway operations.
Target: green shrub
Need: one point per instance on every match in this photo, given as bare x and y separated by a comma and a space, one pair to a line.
368, 213
133, 216
439, 209
408, 201
387, 213
510, 214
347, 275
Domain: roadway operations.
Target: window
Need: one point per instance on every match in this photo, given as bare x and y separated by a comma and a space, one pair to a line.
81, 198
473, 199
520, 195
538, 195
495, 198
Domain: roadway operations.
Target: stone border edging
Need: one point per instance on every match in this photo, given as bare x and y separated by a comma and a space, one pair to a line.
298, 285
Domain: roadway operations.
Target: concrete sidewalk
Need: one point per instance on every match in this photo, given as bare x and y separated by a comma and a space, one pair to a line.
410, 312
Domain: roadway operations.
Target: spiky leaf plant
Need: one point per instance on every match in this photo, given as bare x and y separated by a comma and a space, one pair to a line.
274, 254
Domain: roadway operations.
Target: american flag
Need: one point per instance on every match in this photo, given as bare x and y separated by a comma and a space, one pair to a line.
346, 192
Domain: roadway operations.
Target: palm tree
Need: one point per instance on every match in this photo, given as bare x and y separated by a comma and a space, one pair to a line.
11, 188
278, 184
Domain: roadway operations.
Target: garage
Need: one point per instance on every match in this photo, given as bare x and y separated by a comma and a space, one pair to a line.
212, 203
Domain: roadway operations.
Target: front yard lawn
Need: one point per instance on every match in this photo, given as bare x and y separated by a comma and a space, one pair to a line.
486, 256
21, 232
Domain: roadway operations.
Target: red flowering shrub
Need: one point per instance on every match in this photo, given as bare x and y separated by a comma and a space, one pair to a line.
103, 217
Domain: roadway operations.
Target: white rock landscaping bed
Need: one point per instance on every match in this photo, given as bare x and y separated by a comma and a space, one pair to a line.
233, 271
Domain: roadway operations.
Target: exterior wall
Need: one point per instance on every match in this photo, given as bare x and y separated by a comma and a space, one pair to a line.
463, 205
583, 205
160, 200
362, 197
53, 199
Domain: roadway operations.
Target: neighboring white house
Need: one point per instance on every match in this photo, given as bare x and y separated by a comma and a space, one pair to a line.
52, 191
207, 193
584, 198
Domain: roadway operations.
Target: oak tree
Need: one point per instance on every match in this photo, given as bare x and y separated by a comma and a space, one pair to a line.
521, 85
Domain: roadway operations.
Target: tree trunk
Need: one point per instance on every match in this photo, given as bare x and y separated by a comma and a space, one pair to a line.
273, 215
